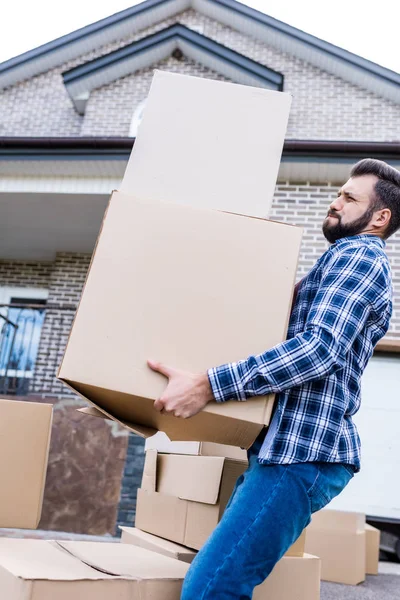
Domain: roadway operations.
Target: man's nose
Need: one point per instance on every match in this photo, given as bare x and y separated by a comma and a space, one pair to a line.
337, 204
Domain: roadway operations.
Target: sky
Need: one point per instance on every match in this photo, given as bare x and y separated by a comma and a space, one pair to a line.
367, 29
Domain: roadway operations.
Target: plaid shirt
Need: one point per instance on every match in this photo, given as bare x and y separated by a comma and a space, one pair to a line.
342, 309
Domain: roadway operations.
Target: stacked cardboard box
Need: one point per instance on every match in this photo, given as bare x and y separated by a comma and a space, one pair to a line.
190, 268
339, 539
372, 541
182, 499
25, 430
199, 283
347, 545
186, 269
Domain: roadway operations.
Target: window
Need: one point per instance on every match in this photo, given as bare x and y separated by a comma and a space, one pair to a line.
137, 118
22, 314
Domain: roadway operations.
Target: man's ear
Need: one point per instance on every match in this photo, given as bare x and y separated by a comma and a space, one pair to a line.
381, 218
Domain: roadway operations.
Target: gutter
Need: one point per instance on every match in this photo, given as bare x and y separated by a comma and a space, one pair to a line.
122, 146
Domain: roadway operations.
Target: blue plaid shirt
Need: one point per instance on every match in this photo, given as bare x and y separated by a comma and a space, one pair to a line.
342, 309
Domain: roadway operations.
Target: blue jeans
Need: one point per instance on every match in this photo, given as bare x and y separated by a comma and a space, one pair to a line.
269, 508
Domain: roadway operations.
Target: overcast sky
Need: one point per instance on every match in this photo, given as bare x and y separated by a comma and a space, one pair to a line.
368, 29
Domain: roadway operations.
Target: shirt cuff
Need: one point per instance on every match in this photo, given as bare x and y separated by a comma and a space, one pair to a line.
226, 383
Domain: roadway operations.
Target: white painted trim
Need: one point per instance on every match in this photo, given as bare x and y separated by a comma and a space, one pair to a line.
8, 292
59, 185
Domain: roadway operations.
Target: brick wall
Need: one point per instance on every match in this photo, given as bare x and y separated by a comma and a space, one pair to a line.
17, 273
65, 286
115, 103
324, 106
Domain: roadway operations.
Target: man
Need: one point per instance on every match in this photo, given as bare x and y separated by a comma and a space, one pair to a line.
311, 450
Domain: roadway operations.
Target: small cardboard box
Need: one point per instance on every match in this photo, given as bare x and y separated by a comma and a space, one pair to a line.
44, 570
293, 578
25, 429
373, 538
208, 144
161, 443
132, 535
338, 538
182, 498
162, 247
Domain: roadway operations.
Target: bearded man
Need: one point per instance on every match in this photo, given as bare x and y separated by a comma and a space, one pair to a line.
311, 449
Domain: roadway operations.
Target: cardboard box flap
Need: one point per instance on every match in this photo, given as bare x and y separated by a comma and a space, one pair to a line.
149, 477
132, 535
162, 443
149, 537
144, 432
196, 478
337, 520
40, 559
126, 560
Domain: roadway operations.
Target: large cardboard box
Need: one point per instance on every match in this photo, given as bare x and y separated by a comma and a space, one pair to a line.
338, 538
293, 578
43, 570
161, 443
182, 498
208, 144
163, 263
133, 535
25, 429
372, 541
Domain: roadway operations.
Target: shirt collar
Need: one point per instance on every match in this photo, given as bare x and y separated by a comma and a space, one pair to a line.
361, 237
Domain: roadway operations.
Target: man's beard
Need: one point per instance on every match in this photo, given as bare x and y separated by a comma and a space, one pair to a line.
335, 232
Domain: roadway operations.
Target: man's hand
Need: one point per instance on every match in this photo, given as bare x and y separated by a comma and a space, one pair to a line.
186, 393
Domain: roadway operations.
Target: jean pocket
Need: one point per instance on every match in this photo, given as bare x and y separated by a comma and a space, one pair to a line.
331, 480
318, 497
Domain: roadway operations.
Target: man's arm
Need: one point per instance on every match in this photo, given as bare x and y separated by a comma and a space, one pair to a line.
354, 284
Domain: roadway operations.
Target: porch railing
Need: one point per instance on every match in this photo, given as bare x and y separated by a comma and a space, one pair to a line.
32, 341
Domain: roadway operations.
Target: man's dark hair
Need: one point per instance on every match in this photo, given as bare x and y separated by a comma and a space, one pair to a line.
387, 189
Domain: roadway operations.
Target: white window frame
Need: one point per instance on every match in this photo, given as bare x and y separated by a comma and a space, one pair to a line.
8, 292
137, 118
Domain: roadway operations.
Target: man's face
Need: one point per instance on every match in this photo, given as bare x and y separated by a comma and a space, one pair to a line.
351, 212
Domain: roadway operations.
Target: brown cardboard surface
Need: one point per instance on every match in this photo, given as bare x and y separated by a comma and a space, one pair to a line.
296, 578
298, 548
342, 554
195, 478
181, 520
43, 570
372, 541
25, 429
132, 535
161, 443
105, 359
189, 133
337, 520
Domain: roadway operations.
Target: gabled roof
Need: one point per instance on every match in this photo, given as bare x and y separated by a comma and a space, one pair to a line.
286, 38
145, 52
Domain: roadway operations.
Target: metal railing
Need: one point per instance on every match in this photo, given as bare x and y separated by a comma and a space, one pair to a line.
31, 335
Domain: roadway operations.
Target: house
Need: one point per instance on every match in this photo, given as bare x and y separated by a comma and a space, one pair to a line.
69, 111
